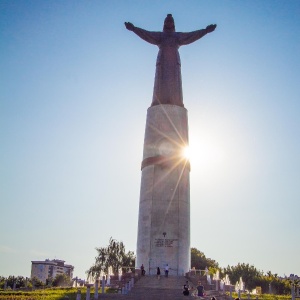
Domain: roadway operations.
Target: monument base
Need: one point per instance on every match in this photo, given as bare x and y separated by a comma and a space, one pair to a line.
164, 211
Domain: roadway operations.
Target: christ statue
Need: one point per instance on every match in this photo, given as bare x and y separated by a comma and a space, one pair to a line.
167, 84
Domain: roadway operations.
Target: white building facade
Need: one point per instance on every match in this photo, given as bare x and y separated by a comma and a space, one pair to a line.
46, 269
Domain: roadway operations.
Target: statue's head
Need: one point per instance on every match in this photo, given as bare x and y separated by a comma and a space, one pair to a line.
169, 24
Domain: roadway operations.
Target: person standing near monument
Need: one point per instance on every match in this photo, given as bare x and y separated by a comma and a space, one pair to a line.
168, 85
142, 270
158, 272
167, 270
186, 289
200, 289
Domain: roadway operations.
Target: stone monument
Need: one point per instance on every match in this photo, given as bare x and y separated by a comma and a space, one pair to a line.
164, 209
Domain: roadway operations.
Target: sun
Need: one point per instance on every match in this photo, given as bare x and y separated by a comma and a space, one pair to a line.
186, 152
205, 153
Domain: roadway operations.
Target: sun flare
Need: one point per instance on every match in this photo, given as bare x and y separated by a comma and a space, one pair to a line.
204, 153
186, 152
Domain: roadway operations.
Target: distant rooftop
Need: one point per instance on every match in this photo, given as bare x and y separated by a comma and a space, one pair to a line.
53, 262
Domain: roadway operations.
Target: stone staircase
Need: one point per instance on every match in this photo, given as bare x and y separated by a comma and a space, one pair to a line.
149, 287
165, 288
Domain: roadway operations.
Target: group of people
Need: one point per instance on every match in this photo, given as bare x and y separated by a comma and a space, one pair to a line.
199, 290
166, 271
143, 272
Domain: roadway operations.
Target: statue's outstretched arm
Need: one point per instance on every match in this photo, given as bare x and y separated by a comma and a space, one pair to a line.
186, 38
129, 26
210, 28
148, 36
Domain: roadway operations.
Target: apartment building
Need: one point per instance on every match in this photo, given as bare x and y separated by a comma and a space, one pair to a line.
50, 268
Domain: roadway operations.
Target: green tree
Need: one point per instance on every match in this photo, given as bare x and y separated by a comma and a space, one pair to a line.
279, 286
36, 282
19, 281
2, 282
113, 255
250, 275
49, 281
200, 261
62, 280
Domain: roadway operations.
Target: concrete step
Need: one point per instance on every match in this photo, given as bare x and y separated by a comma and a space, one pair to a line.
152, 288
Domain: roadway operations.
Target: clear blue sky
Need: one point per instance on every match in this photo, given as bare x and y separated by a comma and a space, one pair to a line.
74, 89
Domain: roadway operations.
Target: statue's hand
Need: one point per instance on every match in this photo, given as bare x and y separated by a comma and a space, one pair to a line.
211, 28
129, 26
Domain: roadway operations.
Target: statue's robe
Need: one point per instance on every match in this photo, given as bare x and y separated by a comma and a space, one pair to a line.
168, 84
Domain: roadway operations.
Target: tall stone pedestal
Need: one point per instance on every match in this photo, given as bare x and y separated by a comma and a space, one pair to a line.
164, 210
